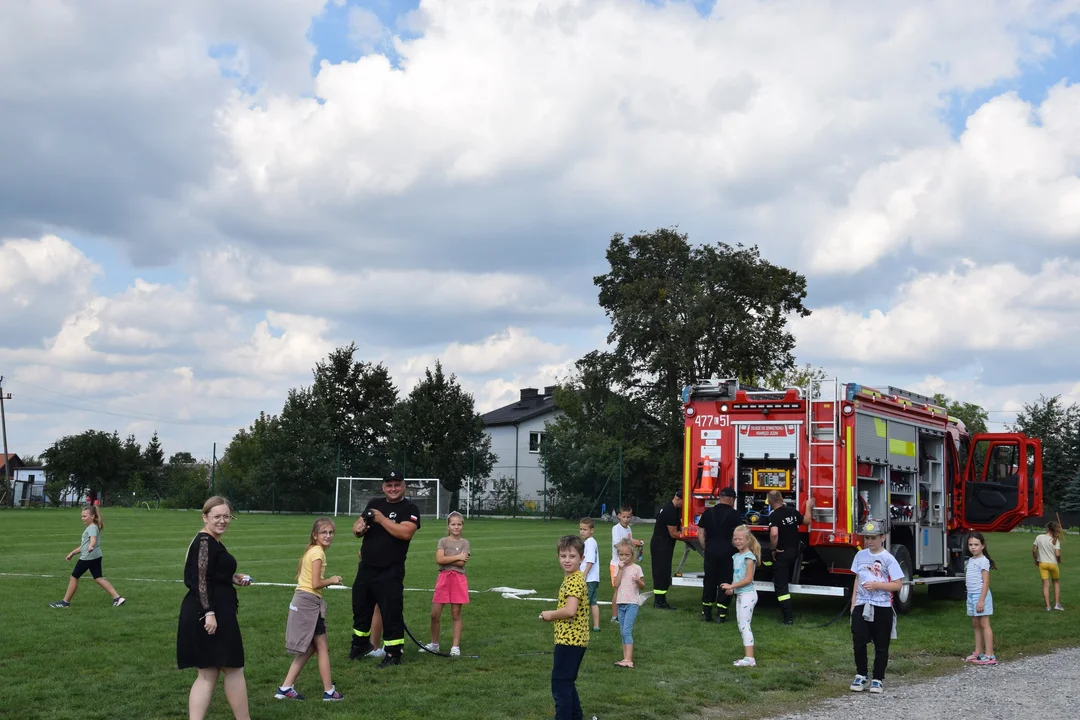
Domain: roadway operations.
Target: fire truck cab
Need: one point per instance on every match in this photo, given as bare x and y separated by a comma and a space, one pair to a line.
861, 453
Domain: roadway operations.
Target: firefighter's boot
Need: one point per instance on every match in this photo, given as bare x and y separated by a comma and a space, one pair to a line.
706, 612
660, 601
785, 609
721, 612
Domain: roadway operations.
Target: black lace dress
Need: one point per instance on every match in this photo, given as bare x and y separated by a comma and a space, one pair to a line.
208, 575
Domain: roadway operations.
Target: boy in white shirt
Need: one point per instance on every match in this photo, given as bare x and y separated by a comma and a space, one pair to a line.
590, 567
619, 532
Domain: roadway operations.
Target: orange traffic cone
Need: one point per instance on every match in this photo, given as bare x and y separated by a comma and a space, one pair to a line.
706, 479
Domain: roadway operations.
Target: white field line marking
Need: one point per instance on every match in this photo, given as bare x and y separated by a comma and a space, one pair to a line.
513, 595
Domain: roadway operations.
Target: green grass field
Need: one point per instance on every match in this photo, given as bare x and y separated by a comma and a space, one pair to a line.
96, 661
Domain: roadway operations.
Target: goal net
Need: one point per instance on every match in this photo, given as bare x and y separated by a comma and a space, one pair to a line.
428, 494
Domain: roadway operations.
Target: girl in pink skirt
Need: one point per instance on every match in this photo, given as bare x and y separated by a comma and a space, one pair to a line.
451, 588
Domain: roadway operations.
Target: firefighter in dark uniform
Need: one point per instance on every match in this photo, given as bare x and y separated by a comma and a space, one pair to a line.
661, 546
380, 576
715, 528
784, 525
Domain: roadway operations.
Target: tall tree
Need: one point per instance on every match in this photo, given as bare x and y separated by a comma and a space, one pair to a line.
438, 433
973, 416
153, 465
359, 398
85, 463
599, 429
302, 460
1057, 425
680, 312
153, 456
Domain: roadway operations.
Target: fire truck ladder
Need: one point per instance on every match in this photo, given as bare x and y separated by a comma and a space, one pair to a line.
821, 431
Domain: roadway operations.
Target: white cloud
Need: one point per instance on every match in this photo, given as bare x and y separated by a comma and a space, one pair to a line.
963, 312
41, 281
235, 275
1013, 174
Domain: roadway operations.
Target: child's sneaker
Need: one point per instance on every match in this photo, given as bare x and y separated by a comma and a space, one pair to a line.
118, 601
377, 653
1049, 609
290, 694
1058, 607
59, 604
430, 647
615, 620
971, 658
986, 660
745, 662
876, 686
455, 651
332, 695
858, 684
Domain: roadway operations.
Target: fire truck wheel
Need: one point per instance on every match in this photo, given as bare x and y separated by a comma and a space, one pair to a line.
906, 597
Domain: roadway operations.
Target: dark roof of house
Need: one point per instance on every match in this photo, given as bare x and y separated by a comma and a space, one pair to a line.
531, 404
16, 461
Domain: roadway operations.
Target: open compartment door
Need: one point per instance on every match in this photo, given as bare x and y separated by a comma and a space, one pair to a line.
1002, 471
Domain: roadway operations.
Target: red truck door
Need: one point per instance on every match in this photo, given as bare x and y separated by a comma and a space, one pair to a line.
1002, 481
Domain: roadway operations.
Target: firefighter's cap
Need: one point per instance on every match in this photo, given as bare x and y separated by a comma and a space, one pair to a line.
872, 527
727, 492
393, 476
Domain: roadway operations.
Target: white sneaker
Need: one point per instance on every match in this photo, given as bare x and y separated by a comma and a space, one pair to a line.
377, 654
455, 651
430, 647
858, 684
1058, 607
745, 662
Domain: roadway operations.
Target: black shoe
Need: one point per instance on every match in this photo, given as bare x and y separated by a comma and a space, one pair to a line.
706, 616
720, 619
787, 621
359, 650
389, 660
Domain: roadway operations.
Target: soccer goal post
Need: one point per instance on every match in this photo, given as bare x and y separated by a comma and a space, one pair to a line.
354, 493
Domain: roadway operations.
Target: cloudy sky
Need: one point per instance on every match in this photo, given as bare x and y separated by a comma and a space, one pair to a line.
200, 199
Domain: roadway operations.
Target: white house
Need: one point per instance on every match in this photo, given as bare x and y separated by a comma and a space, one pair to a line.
517, 433
29, 483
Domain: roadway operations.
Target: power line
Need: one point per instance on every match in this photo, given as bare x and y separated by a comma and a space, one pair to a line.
129, 416
112, 410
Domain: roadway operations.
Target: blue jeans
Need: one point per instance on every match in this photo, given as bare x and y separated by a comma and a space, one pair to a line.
627, 615
564, 672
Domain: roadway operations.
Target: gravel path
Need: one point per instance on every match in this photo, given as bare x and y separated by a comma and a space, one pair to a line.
1041, 686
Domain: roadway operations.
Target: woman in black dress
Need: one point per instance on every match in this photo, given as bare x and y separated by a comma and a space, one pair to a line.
208, 635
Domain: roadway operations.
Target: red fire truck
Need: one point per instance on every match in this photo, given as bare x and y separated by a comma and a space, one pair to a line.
861, 453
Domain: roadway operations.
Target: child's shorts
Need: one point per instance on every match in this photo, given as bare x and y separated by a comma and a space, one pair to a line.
1049, 571
973, 601
451, 588
94, 566
593, 587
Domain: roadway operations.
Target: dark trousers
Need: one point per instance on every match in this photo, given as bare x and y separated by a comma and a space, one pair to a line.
384, 587
878, 632
564, 672
782, 567
718, 570
661, 566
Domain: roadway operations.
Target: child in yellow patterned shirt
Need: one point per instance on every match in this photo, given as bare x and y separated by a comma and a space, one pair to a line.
571, 619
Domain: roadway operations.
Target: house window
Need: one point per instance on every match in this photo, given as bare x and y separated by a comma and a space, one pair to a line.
536, 439
31, 478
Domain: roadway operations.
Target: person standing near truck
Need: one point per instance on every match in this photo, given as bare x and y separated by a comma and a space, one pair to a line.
715, 529
784, 543
661, 546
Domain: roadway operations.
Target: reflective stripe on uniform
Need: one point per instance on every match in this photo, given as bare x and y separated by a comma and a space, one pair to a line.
782, 598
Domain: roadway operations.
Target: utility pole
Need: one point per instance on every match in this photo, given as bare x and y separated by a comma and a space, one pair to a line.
7, 460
